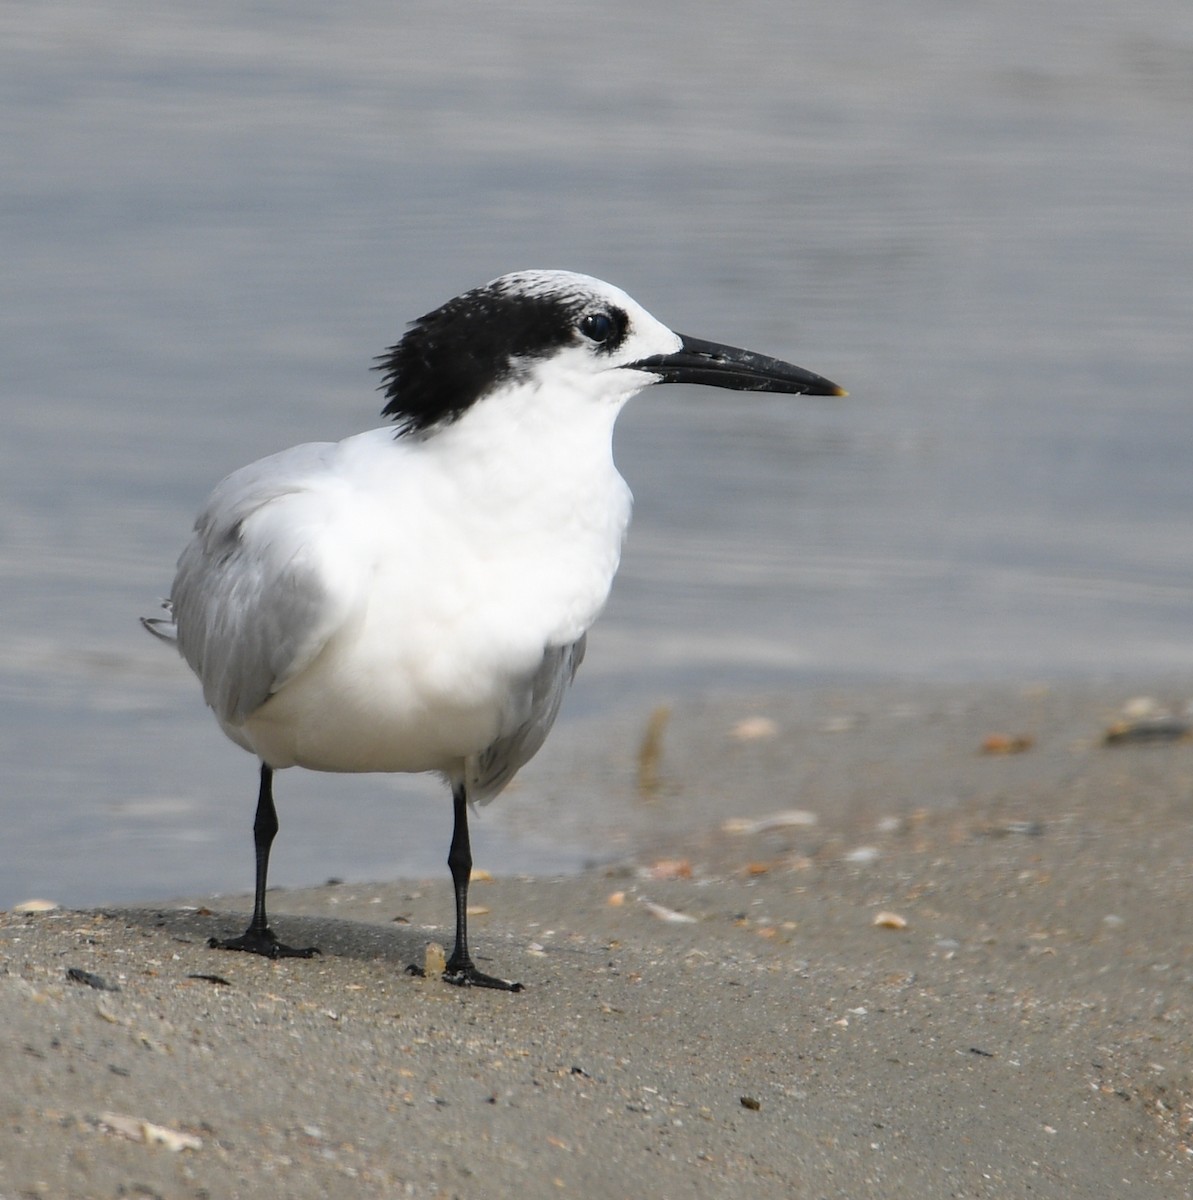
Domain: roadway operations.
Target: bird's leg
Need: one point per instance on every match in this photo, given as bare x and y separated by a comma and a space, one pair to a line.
460, 969
258, 938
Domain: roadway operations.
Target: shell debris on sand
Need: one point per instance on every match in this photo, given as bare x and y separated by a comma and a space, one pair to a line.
754, 729
1007, 743
791, 818
137, 1129
1145, 719
434, 960
862, 855
668, 868
666, 914
889, 920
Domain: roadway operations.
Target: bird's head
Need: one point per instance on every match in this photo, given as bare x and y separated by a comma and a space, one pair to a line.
545, 329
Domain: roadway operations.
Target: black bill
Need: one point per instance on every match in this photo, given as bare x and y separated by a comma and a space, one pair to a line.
710, 363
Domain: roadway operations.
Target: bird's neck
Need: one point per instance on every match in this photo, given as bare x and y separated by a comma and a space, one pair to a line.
546, 450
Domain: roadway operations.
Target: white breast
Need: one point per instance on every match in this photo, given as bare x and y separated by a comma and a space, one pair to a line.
477, 561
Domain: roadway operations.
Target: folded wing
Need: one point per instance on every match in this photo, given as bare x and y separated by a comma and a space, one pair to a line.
489, 771
264, 582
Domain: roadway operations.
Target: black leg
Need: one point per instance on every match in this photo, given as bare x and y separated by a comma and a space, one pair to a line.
460, 969
258, 938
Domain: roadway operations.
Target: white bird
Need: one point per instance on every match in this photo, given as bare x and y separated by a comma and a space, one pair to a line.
416, 598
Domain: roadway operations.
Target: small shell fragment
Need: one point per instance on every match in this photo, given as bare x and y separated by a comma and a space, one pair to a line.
862, 854
90, 979
754, 729
890, 920
434, 960
1145, 719
615, 899
139, 1130
789, 819
667, 914
1156, 729
670, 868
1007, 743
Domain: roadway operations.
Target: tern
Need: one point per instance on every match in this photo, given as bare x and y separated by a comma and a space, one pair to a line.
416, 598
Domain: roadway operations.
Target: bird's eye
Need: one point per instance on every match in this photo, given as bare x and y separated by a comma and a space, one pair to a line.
598, 327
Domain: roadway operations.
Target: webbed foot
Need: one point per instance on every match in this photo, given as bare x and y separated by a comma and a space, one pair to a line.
263, 942
463, 973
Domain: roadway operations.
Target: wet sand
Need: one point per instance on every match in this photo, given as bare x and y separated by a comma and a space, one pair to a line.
835, 951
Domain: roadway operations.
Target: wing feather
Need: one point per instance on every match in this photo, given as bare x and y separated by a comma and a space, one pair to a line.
261, 586
489, 771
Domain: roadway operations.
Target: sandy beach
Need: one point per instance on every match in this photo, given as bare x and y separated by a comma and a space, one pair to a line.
877, 942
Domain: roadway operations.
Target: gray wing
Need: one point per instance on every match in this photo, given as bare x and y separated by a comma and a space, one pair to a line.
489, 771
256, 597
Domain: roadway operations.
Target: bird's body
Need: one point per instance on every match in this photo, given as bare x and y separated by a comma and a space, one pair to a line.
417, 600
356, 607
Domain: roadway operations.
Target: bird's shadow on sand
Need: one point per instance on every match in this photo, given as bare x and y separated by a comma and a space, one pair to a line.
335, 938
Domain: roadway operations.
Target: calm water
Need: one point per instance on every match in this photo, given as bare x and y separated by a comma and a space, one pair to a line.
978, 218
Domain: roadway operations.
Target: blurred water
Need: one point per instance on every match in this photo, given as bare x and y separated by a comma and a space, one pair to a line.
975, 217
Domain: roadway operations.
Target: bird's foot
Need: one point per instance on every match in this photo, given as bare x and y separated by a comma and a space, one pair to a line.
263, 942
460, 972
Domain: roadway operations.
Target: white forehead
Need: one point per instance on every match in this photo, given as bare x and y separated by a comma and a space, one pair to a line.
566, 285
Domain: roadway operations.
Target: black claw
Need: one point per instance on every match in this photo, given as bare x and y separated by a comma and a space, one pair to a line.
264, 943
